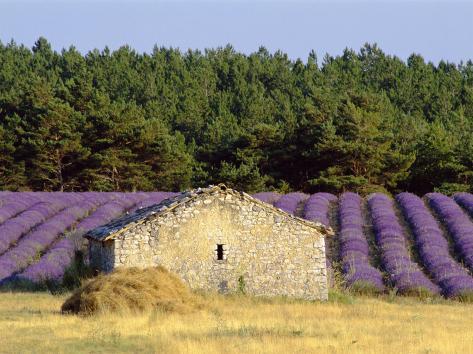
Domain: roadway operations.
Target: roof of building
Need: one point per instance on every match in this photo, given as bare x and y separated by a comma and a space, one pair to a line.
121, 224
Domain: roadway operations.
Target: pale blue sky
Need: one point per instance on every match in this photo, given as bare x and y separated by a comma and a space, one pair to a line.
435, 29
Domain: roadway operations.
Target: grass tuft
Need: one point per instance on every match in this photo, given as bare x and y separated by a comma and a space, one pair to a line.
465, 296
364, 288
340, 297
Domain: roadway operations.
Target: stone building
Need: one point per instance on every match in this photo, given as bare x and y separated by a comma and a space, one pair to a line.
216, 238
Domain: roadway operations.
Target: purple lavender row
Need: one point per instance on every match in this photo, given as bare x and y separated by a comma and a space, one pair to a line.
316, 208
17, 202
405, 274
36, 241
54, 263
12, 229
466, 201
66, 197
111, 210
50, 197
433, 248
290, 202
354, 248
457, 222
12, 205
3, 196
267, 197
153, 198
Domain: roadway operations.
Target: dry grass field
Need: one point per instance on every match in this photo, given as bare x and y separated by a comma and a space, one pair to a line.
31, 322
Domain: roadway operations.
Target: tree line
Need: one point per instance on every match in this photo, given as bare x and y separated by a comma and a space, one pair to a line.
167, 120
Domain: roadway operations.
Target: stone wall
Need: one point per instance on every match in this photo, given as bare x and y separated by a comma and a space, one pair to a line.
265, 252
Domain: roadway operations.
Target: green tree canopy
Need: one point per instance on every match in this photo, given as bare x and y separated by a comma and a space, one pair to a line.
168, 120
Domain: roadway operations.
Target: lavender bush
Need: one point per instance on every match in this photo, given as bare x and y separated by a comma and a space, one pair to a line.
465, 200
12, 229
3, 196
153, 198
433, 249
66, 197
52, 265
31, 245
405, 274
55, 261
359, 274
290, 202
109, 211
12, 206
458, 224
268, 197
316, 208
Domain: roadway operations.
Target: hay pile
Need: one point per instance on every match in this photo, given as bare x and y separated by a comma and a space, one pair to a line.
132, 290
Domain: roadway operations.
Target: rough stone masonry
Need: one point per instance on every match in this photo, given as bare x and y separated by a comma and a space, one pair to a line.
216, 238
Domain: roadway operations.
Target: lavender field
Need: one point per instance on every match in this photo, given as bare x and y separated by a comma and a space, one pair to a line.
407, 244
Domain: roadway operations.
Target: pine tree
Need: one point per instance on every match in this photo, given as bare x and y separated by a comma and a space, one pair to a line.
358, 151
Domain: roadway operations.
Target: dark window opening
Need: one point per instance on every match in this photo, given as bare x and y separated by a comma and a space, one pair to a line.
220, 252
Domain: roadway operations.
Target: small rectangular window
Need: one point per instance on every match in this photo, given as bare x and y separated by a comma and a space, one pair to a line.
220, 252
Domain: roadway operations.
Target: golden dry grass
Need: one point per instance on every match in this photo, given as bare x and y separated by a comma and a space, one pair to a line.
31, 322
132, 290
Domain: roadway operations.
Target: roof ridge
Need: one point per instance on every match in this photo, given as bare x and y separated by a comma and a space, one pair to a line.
119, 225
